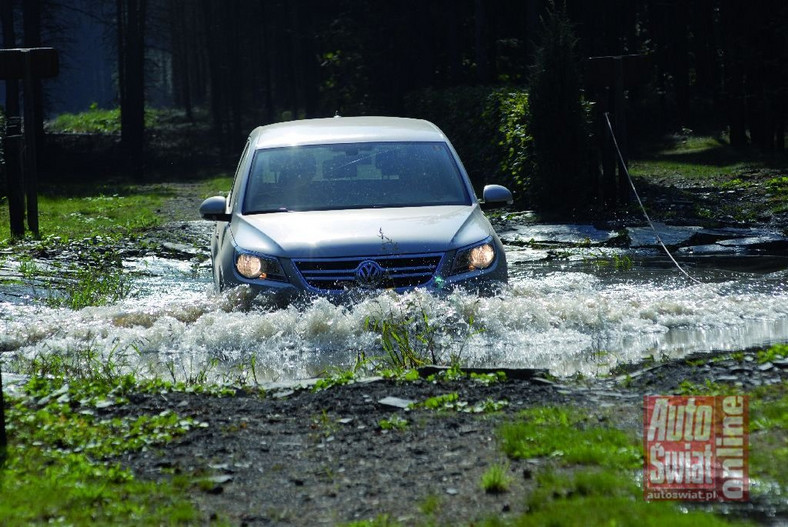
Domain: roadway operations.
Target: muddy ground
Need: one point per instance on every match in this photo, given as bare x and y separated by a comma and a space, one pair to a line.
300, 457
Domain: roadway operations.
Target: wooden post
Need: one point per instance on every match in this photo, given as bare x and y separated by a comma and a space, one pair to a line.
26, 64
31, 151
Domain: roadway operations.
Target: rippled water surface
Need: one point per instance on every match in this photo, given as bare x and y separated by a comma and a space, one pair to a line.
570, 315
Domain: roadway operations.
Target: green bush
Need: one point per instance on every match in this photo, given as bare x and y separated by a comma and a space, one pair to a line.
515, 141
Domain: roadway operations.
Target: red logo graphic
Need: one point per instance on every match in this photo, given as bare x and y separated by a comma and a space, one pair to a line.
696, 448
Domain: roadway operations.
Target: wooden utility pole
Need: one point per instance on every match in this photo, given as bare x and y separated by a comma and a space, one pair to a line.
27, 64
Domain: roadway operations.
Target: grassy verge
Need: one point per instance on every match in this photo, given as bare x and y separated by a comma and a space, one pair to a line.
79, 211
67, 429
84, 222
769, 437
60, 468
216, 186
750, 185
87, 222
96, 121
705, 159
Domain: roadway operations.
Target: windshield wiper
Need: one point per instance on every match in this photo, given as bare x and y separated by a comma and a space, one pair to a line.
268, 211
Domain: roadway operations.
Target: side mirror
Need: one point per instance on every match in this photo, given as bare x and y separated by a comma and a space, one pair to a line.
496, 196
215, 209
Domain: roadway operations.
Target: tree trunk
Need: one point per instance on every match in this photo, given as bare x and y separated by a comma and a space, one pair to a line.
11, 143
31, 10
178, 16
482, 49
131, 81
730, 16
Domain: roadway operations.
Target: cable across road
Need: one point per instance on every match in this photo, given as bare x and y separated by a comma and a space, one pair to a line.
640, 202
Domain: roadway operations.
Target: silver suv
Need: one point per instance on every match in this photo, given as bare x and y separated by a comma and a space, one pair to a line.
328, 206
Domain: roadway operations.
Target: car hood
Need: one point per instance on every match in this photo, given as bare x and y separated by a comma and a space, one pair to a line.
362, 232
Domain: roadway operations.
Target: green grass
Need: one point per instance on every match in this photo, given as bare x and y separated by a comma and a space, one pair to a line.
711, 163
496, 479
709, 387
96, 121
700, 158
216, 186
704, 158
565, 435
776, 352
587, 476
395, 422
769, 434
450, 402
64, 441
60, 466
594, 497
78, 211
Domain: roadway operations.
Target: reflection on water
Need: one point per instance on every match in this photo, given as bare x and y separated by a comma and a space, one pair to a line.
569, 315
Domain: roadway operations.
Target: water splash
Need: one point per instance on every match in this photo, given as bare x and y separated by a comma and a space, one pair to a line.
569, 319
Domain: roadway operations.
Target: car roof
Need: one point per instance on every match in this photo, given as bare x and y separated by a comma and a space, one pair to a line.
339, 130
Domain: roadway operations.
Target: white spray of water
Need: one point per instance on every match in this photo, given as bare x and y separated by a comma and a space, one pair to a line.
568, 322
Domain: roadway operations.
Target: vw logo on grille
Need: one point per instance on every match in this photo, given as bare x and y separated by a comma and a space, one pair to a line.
369, 274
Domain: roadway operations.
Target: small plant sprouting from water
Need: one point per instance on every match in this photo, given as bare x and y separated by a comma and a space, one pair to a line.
81, 363
97, 279
28, 269
411, 339
405, 344
191, 377
395, 422
91, 287
616, 262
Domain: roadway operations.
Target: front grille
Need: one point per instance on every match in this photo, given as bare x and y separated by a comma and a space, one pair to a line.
392, 272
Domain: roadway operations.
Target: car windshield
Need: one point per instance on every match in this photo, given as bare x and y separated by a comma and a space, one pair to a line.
353, 175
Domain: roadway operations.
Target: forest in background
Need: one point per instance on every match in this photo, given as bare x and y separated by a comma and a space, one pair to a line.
250, 62
717, 65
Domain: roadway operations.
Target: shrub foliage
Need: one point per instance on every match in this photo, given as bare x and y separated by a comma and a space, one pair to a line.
488, 127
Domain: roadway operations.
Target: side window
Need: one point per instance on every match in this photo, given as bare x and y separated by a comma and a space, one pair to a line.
243, 166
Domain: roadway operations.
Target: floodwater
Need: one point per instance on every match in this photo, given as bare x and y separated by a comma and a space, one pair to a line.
568, 309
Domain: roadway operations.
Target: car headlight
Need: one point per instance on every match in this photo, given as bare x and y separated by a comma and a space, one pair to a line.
474, 258
257, 267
